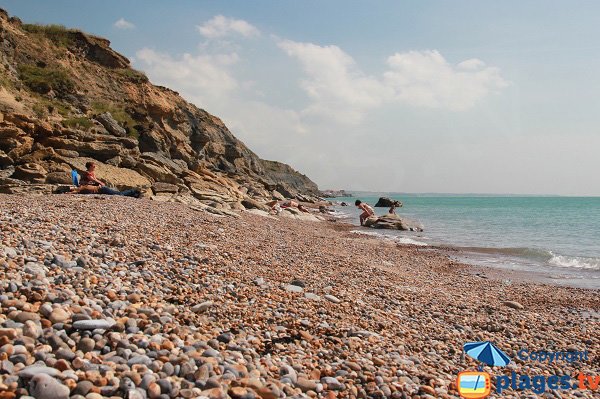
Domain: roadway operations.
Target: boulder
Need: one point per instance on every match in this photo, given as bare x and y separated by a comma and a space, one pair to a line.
29, 172
157, 173
160, 187
5, 160
111, 125
43, 386
59, 178
386, 202
7, 172
392, 222
67, 153
121, 178
277, 195
250, 203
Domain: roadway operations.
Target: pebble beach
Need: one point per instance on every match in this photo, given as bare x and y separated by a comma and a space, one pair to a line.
113, 297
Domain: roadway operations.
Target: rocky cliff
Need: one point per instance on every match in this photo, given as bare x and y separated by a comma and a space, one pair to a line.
66, 97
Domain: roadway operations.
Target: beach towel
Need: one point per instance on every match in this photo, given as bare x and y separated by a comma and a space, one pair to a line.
75, 178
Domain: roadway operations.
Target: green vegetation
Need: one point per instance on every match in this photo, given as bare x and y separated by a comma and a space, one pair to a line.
80, 122
5, 80
60, 35
120, 115
44, 106
42, 80
133, 75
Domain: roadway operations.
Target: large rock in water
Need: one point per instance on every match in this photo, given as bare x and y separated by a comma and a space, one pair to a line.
385, 202
392, 222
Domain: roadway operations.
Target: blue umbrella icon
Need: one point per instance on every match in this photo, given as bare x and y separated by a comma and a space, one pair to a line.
487, 353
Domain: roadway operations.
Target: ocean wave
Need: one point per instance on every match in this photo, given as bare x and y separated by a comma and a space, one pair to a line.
540, 256
521, 252
578, 262
396, 239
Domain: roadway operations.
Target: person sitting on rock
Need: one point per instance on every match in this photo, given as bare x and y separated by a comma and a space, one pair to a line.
367, 211
392, 210
90, 184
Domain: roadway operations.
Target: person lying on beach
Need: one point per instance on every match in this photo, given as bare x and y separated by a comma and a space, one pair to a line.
367, 211
277, 206
132, 192
90, 184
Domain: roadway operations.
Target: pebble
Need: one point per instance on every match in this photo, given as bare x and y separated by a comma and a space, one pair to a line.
158, 317
30, 371
43, 386
293, 288
513, 305
202, 307
99, 324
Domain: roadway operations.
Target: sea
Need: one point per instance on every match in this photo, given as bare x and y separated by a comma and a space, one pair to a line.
551, 237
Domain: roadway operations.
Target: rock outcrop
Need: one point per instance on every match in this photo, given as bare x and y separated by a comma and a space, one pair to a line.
66, 98
385, 202
392, 222
335, 194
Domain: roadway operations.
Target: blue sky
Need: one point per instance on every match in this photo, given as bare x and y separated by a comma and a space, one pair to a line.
427, 96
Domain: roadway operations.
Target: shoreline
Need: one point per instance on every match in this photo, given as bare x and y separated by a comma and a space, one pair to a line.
555, 276
199, 304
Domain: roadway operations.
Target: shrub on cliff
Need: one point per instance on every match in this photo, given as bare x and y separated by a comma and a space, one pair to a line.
133, 75
60, 35
44, 79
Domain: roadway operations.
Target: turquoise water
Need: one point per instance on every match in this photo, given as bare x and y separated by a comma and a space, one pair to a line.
558, 236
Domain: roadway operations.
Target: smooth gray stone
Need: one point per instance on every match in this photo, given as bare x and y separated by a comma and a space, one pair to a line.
42, 386
100, 324
34, 369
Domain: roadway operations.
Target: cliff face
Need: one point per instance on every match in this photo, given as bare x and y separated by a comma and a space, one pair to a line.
66, 97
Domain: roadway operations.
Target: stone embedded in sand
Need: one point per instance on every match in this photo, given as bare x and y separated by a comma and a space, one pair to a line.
36, 369
9, 333
311, 296
332, 298
32, 329
332, 383
513, 305
9, 251
43, 386
202, 307
61, 261
100, 324
59, 315
306, 385
293, 288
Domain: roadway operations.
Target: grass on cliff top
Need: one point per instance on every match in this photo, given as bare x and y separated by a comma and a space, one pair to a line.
42, 80
120, 115
133, 75
58, 34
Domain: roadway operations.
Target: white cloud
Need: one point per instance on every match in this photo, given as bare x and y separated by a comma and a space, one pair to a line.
221, 26
338, 88
205, 75
425, 78
122, 23
324, 137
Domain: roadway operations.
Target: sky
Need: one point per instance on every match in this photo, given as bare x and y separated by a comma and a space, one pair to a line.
395, 96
